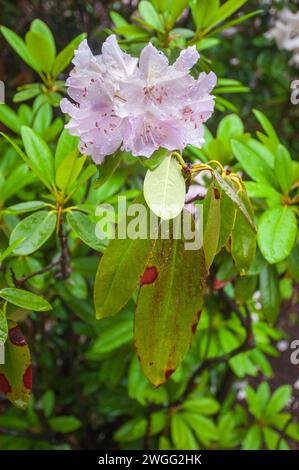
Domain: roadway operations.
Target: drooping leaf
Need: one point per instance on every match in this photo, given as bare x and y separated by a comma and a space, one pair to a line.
168, 306
35, 229
16, 373
121, 267
228, 213
230, 191
212, 221
164, 189
243, 239
277, 233
25, 299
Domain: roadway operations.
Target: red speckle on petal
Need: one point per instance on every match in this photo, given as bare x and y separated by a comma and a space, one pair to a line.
149, 276
168, 373
16, 336
27, 377
4, 384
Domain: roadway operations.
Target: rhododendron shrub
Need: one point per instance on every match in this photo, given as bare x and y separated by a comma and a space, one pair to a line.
149, 240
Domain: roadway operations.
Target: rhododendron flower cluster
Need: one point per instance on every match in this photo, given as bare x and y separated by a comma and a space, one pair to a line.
286, 33
138, 105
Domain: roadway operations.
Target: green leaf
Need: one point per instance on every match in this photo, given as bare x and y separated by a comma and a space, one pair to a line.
155, 160
35, 229
181, 434
279, 400
64, 424
69, 170
150, 15
203, 427
229, 190
203, 12
38, 26
117, 19
43, 118
284, 169
24, 207
48, 403
270, 294
293, 263
25, 95
108, 167
277, 233
16, 373
267, 126
168, 306
226, 10
85, 229
19, 47
10, 119
212, 220
271, 438
131, 430
243, 239
228, 213
10, 249
24, 299
261, 190
201, 405
3, 327
253, 164
229, 127
112, 338
41, 50
39, 156
65, 146
65, 56
120, 269
253, 439
164, 189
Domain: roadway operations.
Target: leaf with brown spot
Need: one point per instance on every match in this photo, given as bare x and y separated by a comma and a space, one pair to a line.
16, 373
168, 308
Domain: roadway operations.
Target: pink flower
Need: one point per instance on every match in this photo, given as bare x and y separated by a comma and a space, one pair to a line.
141, 106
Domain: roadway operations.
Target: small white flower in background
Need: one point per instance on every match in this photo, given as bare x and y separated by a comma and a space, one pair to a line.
286, 33
141, 105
